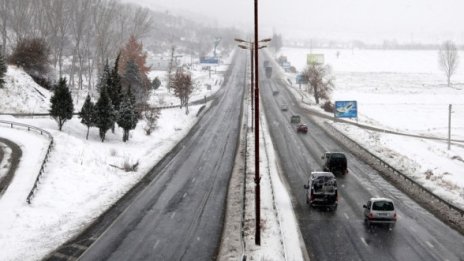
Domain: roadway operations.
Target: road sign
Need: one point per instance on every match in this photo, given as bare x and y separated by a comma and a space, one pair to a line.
346, 109
314, 58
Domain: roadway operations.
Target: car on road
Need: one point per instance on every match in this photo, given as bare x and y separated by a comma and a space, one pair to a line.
335, 162
283, 107
303, 128
380, 211
321, 190
295, 119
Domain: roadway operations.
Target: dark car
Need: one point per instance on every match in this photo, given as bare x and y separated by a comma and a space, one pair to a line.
302, 128
335, 162
295, 119
322, 190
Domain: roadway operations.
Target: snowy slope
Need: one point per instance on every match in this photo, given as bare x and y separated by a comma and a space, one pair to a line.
22, 95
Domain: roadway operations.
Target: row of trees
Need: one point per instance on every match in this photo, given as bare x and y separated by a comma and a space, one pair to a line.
113, 106
87, 31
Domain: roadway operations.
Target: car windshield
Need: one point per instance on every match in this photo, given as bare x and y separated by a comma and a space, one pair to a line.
383, 206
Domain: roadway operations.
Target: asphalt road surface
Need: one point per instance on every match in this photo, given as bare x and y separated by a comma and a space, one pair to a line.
179, 215
342, 235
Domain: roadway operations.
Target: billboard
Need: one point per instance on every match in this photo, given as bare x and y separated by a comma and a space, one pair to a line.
346, 109
314, 58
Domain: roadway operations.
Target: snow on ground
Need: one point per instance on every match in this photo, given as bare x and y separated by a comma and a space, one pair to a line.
404, 91
5, 160
34, 99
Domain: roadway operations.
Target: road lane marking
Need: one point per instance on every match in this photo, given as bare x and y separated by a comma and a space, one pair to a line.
193, 180
346, 215
173, 215
429, 244
364, 241
156, 244
185, 194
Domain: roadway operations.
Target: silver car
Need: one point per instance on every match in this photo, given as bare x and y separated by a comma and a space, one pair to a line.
380, 211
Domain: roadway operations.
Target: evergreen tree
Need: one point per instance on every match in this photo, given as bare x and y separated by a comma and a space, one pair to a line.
156, 83
105, 78
3, 69
114, 87
87, 114
61, 104
127, 115
104, 113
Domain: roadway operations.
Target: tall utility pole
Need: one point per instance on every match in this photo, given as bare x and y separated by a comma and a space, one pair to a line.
257, 176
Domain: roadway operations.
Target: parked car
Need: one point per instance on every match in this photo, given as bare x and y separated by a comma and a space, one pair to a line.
302, 128
322, 190
380, 211
335, 162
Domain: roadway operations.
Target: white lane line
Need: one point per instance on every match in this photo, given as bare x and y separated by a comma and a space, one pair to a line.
429, 244
185, 194
346, 216
193, 180
156, 244
173, 215
364, 241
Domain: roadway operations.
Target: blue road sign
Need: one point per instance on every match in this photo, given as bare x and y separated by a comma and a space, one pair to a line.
346, 109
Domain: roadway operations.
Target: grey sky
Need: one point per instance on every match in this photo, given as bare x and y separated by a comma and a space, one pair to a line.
369, 20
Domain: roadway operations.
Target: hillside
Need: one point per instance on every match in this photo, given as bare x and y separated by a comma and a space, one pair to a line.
22, 95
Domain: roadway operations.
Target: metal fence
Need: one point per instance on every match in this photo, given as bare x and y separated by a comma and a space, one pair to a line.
50, 145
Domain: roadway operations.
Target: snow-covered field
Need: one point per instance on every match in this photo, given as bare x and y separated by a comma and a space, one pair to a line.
405, 91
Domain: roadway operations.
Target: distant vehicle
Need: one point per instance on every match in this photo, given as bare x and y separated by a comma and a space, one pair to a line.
380, 211
295, 119
283, 107
303, 128
266, 63
268, 70
321, 190
335, 162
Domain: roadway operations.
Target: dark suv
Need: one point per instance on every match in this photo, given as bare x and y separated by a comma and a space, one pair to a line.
335, 162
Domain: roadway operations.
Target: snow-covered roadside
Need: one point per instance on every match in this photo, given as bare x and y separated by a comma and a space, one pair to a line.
280, 235
5, 161
79, 181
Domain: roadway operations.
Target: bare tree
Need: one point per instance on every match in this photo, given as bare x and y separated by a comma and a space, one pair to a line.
80, 18
150, 117
182, 85
320, 80
5, 15
448, 59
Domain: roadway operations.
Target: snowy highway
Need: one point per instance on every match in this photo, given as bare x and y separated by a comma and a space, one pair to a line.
342, 235
179, 214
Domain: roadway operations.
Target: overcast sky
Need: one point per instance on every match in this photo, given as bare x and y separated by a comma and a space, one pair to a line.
368, 20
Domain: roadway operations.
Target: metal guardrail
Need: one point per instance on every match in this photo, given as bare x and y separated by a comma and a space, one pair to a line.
50, 145
444, 209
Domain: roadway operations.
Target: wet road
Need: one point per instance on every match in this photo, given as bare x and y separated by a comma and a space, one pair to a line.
179, 215
342, 235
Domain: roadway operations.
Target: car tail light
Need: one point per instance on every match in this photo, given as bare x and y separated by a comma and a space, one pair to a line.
394, 216
370, 216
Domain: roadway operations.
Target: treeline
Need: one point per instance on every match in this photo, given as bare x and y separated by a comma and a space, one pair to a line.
80, 35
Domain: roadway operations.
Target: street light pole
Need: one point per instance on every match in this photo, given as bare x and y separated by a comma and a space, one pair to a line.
257, 176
